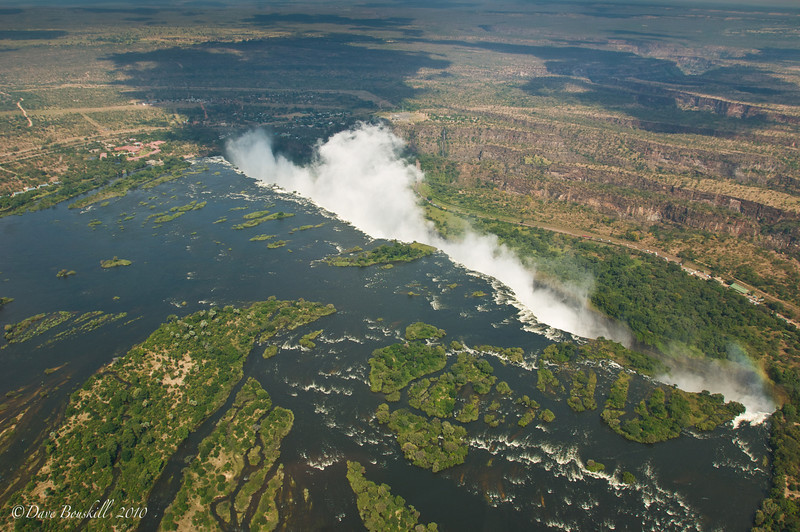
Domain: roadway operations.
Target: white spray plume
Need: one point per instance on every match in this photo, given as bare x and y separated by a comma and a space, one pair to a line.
737, 378
361, 177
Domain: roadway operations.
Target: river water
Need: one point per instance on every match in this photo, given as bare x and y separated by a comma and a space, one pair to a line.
514, 478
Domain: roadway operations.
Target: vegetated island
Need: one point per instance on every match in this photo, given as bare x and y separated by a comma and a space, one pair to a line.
74, 323
437, 440
234, 468
383, 254
176, 212
423, 331
114, 263
5, 301
63, 274
259, 217
128, 419
662, 414
379, 510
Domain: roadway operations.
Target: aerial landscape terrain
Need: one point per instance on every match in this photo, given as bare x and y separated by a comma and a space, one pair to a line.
384, 265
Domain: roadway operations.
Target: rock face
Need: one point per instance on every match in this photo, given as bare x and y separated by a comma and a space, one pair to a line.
736, 186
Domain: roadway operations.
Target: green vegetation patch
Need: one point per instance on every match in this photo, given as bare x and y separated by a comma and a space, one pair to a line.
430, 444
780, 510
115, 263
470, 369
394, 366
232, 464
168, 217
664, 413
602, 349
261, 238
191, 206
270, 351
581, 395
307, 340
124, 423
256, 214
595, 467
253, 221
71, 323
383, 254
507, 354
5, 301
547, 382
436, 397
34, 326
63, 274
423, 331
306, 227
379, 510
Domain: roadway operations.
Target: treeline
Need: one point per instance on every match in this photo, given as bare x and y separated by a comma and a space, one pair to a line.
88, 176
663, 306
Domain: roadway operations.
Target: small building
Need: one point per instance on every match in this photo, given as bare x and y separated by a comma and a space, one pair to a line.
741, 289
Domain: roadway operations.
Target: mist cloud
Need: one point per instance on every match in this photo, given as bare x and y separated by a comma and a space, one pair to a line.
361, 177
737, 378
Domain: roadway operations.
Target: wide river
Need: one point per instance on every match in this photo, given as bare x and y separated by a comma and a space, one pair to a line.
514, 478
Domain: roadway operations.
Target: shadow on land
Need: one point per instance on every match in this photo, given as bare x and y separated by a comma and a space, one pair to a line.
645, 88
331, 62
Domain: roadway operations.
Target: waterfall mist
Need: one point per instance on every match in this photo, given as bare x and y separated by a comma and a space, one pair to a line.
360, 176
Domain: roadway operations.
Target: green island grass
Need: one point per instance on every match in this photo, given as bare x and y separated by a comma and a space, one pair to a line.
547, 415
277, 244
595, 467
515, 355
423, 331
547, 382
581, 394
253, 221
254, 215
34, 326
306, 227
63, 274
114, 263
383, 254
429, 444
261, 238
168, 217
270, 351
378, 508
307, 340
124, 423
436, 397
233, 464
602, 349
5, 301
394, 366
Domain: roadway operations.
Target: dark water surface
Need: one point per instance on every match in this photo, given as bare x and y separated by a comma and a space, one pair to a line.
514, 478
